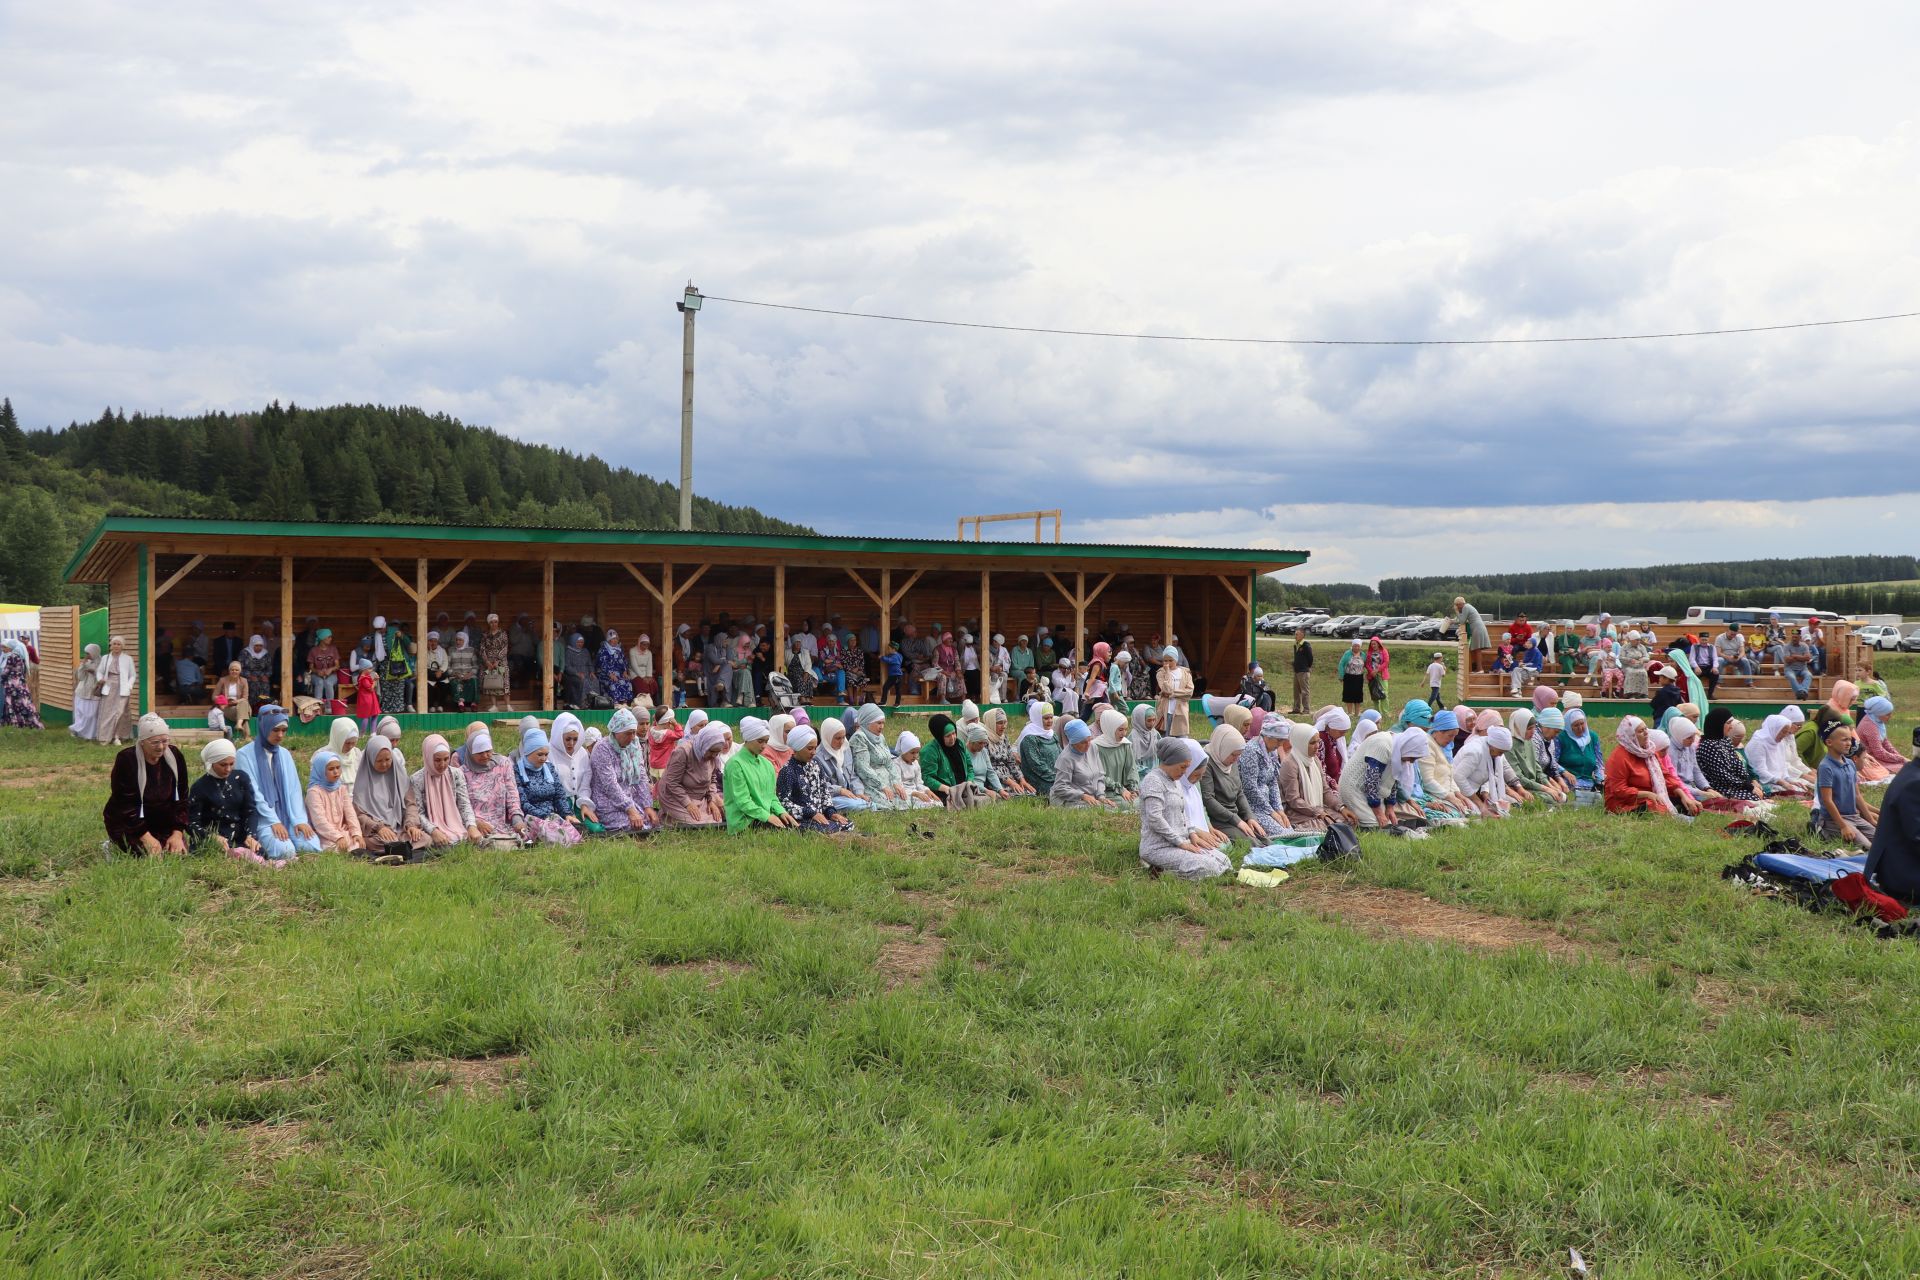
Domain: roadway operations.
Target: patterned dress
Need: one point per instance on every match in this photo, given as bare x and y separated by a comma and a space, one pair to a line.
545, 803
16, 700
496, 801
611, 664
1006, 760
258, 669
803, 792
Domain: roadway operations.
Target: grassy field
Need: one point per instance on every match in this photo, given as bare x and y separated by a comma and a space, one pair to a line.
1001, 1051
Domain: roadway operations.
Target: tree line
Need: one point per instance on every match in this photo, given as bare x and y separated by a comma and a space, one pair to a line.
1704, 581
345, 462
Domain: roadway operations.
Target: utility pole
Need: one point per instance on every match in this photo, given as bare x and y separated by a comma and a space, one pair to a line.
689, 305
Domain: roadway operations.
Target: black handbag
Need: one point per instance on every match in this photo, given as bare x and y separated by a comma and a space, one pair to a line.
1340, 842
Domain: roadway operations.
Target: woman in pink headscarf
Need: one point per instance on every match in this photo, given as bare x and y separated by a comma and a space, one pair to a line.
1095, 689
1635, 781
1544, 696
953, 685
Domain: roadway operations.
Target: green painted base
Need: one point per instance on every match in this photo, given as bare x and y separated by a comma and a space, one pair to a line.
55, 715
436, 723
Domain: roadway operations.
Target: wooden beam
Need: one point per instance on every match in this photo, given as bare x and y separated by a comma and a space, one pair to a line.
545, 650
668, 597
419, 634
1095, 593
399, 581
447, 581
862, 584
147, 639
286, 630
780, 616
1166, 629
986, 633
886, 621
901, 594
643, 580
1061, 587
1079, 619
688, 584
1233, 591
179, 573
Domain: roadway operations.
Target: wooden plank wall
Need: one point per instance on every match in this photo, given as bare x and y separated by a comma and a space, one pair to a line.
1211, 626
59, 650
123, 604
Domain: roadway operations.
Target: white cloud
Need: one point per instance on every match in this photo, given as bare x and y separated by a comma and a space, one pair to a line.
489, 210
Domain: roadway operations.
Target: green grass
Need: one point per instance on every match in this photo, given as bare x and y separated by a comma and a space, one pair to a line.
1002, 1051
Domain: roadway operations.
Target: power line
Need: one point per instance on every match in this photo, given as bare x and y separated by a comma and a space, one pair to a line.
1314, 342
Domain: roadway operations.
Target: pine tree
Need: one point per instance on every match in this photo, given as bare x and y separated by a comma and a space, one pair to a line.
13, 441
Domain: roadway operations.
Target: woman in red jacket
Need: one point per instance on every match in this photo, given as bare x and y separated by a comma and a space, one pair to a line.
1635, 781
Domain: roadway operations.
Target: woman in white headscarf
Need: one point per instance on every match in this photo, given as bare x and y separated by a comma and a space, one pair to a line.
1176, 691
1117, 760
118, 683
86, 695
1168, 841
1775, 760
1366, 783
835, 761
1302, 781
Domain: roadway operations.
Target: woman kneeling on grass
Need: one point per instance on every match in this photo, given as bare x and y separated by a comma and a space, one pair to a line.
1168, 842
620, 788
752, 784
1039, 749
220, 810
1636, 783
1004, 755
803, 789
330, 804
388, 809
544, 800
1077, 779
146, 809
440, 795
1223, 795
948, 768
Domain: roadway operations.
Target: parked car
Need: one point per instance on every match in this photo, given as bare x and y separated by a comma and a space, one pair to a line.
1339, 626
1880, 637
1912, 643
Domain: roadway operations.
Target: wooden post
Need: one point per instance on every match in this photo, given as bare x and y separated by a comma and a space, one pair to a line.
1036, 526
667, 601
544, 652
886, 612
780, 616
1080, 619
1166, 629
148, 637
286, 630
420, 635
986, 633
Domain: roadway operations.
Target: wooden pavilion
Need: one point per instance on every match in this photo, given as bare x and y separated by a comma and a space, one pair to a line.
164, 573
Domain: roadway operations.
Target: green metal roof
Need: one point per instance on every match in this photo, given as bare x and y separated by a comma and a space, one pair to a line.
1258, 558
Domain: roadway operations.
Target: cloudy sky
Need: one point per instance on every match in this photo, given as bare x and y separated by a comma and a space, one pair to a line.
489, 208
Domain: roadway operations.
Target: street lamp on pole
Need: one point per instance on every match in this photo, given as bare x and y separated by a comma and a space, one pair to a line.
689, 305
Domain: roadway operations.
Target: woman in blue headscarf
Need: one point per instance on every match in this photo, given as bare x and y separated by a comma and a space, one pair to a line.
544, 801
280, 803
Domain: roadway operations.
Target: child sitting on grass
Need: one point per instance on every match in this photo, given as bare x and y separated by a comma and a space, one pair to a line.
1840, 813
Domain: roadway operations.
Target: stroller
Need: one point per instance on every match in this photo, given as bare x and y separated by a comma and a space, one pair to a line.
780, 692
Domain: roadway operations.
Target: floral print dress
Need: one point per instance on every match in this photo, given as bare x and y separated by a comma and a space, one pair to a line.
611, 664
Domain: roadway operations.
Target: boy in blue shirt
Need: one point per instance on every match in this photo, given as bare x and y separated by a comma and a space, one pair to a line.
1839, 813
894, 663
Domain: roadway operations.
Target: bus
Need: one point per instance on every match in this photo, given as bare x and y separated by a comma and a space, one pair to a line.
1718, 616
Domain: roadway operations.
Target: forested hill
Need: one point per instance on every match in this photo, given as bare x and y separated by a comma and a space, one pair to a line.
347, 462
1705, 577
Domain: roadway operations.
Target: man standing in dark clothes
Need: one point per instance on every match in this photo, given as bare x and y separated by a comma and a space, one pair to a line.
1302, 672
227, 647
1893, 861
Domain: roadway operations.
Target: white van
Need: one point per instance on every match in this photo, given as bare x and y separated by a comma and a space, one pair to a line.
1716, 617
